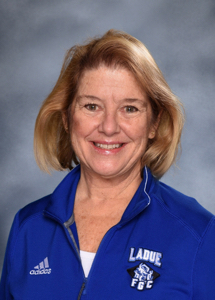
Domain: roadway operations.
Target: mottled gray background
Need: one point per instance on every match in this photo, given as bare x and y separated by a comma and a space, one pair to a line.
34, 36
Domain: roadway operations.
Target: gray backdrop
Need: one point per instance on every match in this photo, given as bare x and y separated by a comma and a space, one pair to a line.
34, 36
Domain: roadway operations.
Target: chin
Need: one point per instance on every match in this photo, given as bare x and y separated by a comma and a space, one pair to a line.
104, 170
109, 172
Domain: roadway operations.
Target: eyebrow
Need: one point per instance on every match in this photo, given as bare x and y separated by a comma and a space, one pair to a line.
130, 100
88, 97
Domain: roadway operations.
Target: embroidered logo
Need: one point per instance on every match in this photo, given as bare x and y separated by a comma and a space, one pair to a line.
142, 276
42, 268
146, 255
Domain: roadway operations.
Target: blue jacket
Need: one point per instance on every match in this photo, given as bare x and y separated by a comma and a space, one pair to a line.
163, 248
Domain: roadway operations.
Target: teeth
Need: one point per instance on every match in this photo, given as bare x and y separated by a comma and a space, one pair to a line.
106, 146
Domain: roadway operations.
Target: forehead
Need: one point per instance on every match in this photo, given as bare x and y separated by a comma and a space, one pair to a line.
118, 82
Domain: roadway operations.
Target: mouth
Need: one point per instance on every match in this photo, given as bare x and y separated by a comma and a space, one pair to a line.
108, 146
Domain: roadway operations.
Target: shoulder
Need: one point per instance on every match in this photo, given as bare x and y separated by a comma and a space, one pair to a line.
184, 208
31, 210
57, 202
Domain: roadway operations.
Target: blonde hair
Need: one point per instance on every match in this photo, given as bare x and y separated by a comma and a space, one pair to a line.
53, 148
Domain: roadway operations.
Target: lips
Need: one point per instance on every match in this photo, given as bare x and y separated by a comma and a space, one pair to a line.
108, 146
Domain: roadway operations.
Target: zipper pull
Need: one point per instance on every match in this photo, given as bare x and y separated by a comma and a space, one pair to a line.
83, 289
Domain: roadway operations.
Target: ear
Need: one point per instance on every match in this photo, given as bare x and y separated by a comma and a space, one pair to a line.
65, 121
154, 126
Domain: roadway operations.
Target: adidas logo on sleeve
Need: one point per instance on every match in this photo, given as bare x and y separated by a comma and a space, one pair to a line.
42, 268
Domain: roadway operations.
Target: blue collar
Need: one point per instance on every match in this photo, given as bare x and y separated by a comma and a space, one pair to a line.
61, 204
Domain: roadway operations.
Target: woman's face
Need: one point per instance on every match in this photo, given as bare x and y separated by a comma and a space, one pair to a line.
111, 122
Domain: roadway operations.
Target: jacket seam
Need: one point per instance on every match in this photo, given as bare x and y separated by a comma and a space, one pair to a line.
195, 234
145, 186
197, 250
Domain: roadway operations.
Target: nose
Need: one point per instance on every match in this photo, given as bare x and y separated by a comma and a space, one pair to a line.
109, 124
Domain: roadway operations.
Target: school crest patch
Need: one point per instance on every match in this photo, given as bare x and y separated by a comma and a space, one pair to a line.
142, 276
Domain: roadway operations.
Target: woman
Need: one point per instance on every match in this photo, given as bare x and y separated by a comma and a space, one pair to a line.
110, 230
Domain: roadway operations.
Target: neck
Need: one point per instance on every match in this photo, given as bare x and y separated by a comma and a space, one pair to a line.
100, 189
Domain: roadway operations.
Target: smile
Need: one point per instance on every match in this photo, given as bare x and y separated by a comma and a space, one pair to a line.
108, 146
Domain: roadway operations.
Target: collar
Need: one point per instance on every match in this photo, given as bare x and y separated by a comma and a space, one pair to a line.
60, 206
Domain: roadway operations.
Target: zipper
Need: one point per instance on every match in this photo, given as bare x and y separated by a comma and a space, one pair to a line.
82, 289
76, 250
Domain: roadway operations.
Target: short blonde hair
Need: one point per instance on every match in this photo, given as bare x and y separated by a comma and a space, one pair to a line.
53, 148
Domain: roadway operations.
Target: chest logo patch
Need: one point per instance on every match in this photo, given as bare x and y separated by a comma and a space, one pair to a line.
142, 276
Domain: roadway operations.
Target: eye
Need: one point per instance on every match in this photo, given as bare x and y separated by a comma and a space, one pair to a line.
131, 109
91, 106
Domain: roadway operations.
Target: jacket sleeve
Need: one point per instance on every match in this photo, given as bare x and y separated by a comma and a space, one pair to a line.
6, 272
204, 268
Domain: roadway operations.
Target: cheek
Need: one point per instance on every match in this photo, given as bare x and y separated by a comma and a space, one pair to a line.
76, 129
76, 126
137, 130
82, 126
